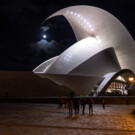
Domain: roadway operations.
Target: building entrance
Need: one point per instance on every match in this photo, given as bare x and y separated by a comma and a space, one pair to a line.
117, 87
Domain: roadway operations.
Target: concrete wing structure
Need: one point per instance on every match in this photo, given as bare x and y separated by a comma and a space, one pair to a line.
103, 46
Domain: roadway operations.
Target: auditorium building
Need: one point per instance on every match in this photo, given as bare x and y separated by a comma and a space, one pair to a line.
97, 58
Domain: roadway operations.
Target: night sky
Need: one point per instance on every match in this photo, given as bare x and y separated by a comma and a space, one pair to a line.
21, 34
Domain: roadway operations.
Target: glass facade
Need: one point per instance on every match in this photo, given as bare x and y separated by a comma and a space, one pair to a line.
117, 88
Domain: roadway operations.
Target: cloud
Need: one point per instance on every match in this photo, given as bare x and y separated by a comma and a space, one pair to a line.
44, 28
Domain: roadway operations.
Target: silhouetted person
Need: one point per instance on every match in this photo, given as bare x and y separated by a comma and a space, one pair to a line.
127, 102
71, 95
60, 102
65, 103
103, 103
70, 106
83, 106
76, 106
90, 102
80, 102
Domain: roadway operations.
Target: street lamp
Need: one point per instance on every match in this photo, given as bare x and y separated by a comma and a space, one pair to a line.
131, 79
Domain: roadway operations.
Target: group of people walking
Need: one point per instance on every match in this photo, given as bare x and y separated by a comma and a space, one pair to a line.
75, 104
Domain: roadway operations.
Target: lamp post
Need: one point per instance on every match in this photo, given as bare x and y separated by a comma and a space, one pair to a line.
131, 81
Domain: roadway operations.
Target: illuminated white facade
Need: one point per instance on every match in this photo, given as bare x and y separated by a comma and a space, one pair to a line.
103, 46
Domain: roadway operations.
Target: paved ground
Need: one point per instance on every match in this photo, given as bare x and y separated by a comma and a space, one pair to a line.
42, 119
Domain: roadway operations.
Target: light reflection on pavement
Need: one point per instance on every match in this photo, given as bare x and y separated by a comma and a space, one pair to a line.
48, 119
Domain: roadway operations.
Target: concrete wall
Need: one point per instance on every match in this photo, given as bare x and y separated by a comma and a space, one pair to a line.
24, 84
97, 100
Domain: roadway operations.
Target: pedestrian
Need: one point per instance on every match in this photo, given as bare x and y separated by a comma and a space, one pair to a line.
103, 103
90, 102
83, 106
76, 106
65, 101
80, 102
70, 106
60, 102
127, 102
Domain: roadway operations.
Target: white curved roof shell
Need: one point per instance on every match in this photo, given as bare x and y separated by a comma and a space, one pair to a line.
100, 26
74, 56
95, 31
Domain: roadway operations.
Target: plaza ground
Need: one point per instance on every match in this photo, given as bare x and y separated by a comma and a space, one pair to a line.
48, 119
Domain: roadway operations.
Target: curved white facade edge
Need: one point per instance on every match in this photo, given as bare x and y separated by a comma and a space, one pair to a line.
44, 65
88, 21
